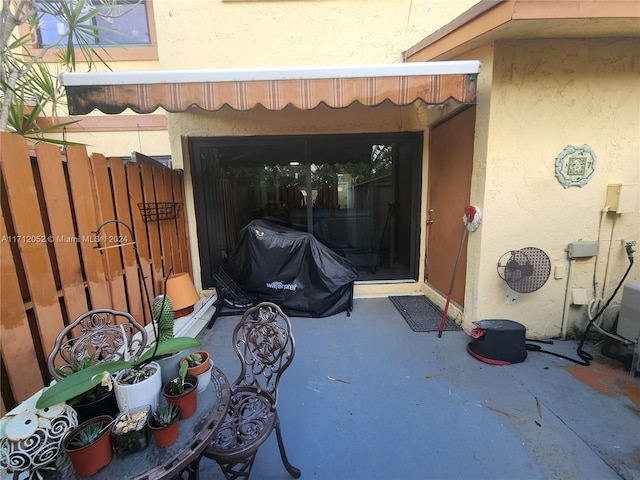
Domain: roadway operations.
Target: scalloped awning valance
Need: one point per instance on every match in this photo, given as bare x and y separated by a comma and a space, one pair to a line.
273, 88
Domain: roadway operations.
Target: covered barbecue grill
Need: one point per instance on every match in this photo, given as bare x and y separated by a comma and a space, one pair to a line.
292, 269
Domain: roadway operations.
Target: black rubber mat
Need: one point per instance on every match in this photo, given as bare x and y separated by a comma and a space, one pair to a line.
421, 314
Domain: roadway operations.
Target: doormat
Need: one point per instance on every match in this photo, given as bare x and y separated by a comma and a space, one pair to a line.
421, 314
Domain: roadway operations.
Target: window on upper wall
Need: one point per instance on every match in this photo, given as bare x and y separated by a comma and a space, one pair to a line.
126, 24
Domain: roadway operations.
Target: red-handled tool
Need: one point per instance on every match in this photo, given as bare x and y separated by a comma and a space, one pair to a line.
471, 219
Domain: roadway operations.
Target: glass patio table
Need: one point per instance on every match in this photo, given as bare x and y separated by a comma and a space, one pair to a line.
179, 459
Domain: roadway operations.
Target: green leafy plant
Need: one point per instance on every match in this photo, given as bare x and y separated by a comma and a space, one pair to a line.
82, 381
178, 384
90, 395
30, 92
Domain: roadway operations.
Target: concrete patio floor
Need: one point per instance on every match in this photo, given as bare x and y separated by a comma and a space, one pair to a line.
367, 398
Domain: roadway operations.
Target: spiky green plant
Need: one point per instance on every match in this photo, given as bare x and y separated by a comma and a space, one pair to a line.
88, 435
165, 414
162, 310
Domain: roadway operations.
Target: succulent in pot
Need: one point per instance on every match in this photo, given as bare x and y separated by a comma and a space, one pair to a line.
89, 445
199, 364
165, 424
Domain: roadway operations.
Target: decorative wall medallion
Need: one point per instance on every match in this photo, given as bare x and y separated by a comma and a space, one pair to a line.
575, 165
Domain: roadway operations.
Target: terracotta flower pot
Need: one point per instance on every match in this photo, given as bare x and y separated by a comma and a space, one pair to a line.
165, 435
187, 401
89, 459
199, 369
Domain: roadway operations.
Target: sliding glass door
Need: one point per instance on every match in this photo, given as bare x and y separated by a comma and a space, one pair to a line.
358, 194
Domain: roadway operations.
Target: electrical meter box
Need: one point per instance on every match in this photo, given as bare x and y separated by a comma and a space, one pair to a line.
622, 198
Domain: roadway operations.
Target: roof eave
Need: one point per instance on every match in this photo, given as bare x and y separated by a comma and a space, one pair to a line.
492, 20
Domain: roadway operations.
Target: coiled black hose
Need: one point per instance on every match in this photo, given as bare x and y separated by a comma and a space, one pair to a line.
586, 357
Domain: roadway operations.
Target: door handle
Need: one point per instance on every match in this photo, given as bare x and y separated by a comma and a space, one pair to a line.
429, 222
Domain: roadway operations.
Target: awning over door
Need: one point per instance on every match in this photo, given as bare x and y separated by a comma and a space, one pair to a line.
274, 88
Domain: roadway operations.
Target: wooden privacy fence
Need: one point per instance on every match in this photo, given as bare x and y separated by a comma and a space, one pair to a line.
57, 260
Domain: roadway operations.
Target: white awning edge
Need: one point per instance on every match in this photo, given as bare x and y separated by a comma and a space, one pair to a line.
276, 73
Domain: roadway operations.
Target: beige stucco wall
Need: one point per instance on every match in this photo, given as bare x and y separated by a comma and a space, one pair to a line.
545, 95
122, 143
223, 34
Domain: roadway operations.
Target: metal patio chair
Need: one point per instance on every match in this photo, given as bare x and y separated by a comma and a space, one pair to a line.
265, 346
102, 335
232, 300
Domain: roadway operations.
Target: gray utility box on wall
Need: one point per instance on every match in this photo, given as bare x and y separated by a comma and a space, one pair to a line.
629, 318
582, 249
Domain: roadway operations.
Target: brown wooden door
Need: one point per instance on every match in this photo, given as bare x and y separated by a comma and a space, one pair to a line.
449, 186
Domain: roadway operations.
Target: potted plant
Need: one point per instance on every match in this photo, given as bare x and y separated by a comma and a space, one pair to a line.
138, 386
165, 424
162, 311
99, 400
82, 381
197, 362
129, 433
183, 391
89, 445
199, 365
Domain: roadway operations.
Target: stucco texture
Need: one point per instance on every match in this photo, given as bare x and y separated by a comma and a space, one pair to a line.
547, 94
231, 34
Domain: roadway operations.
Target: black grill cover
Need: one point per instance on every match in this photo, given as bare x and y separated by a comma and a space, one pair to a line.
291, 269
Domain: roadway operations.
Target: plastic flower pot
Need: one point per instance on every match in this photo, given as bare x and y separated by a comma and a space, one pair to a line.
204, 378
169, 366
89, 459
165, 435
202, 367
187, 401
105, 405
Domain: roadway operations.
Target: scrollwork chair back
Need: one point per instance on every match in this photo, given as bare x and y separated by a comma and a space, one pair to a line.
265, 346
103, 334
